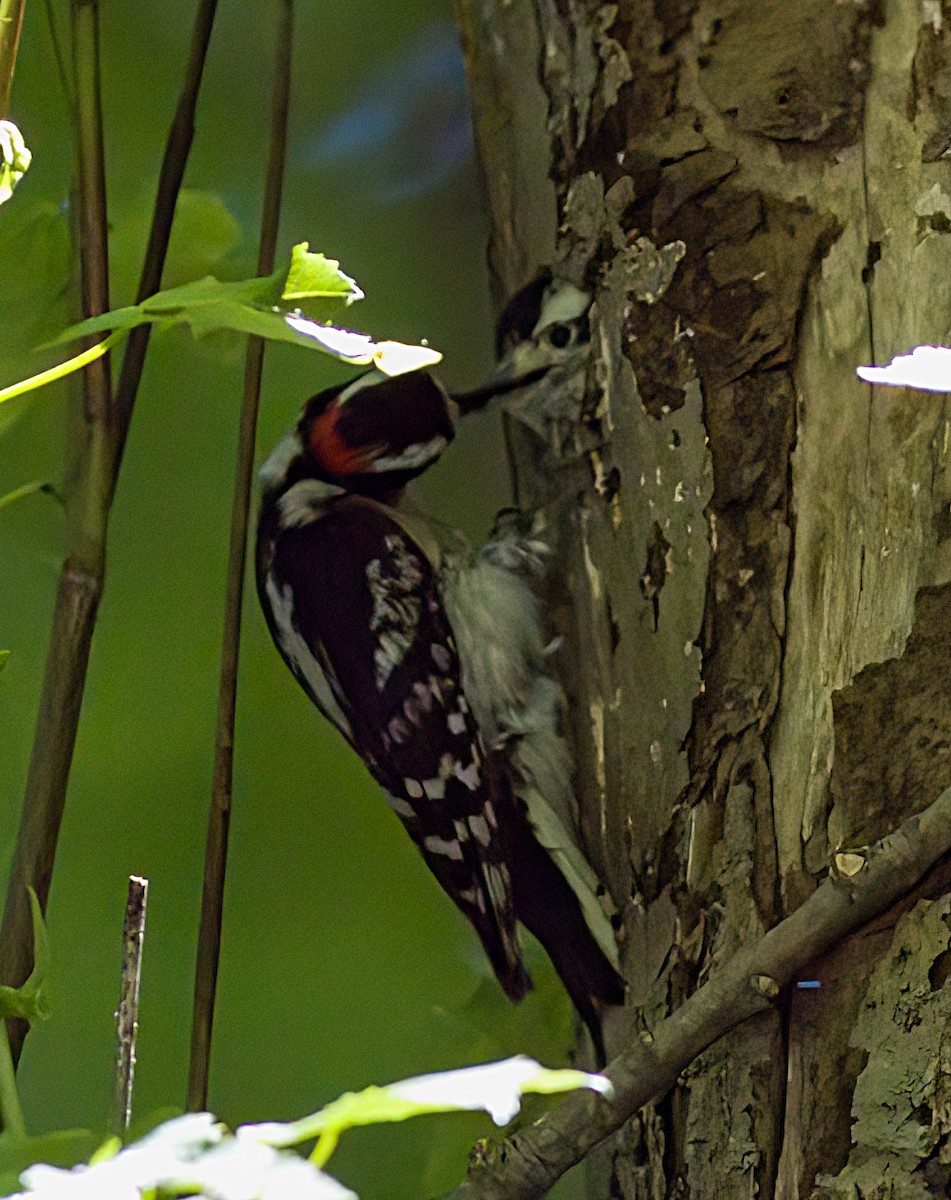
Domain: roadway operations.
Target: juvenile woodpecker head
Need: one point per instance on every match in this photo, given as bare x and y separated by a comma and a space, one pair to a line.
542, 328
371, 437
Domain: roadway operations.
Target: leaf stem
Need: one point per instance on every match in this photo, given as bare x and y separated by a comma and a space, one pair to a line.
10, 1109
61, 370
216, 850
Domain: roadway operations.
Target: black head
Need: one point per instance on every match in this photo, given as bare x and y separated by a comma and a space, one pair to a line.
379, 431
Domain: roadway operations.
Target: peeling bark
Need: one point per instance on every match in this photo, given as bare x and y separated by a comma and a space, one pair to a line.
752, 545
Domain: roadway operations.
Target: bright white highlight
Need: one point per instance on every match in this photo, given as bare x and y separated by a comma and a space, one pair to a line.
927, 368
497, 1087
392, 358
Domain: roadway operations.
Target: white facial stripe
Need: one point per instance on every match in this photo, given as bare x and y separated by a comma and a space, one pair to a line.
564, 303
369, 379
274, 467
416, 455
304, 502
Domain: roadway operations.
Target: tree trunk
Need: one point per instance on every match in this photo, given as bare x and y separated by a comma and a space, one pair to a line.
753, 546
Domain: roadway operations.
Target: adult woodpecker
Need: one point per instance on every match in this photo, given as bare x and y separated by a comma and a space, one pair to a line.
429, 659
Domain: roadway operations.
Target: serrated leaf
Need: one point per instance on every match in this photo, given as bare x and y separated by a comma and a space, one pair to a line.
311, 276
249, 306
257, 306
29, 1001
206, 303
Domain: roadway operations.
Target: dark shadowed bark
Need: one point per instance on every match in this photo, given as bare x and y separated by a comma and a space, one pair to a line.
752, 546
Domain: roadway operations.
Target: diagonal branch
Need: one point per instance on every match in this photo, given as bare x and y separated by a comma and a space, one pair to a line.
177, 150
529, 1163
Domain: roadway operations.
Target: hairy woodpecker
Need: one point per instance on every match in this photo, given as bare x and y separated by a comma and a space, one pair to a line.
429, 659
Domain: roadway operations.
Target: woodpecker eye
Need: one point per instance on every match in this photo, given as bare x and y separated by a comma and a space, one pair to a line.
560, 335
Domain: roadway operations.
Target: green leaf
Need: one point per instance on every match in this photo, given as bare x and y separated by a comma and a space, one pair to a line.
311, 276
29, 1001
15, 158
204, 236
64, 1148
248, 305
496, 1087
193, 1154
206, 303
251, 306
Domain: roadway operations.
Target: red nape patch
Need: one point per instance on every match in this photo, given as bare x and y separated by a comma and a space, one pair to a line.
332, 450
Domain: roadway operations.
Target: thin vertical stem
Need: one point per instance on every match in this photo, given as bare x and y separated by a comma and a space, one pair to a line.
81, 580
216, 850
127, 1014
11, 22
10, 1109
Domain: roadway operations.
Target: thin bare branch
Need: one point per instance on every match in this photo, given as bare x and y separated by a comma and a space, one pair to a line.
530, 1162
170, 181
216, 850
127, 1014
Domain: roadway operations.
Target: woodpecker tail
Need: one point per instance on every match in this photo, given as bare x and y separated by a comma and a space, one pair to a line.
548, 907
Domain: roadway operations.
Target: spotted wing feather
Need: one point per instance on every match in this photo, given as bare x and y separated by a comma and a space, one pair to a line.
395, 695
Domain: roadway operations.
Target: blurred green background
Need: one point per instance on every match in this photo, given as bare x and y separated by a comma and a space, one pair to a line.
342, 962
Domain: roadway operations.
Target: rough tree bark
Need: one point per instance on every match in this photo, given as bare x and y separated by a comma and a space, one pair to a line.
754, 547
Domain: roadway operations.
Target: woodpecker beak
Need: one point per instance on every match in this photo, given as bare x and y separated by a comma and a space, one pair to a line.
559, 335
508, 377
